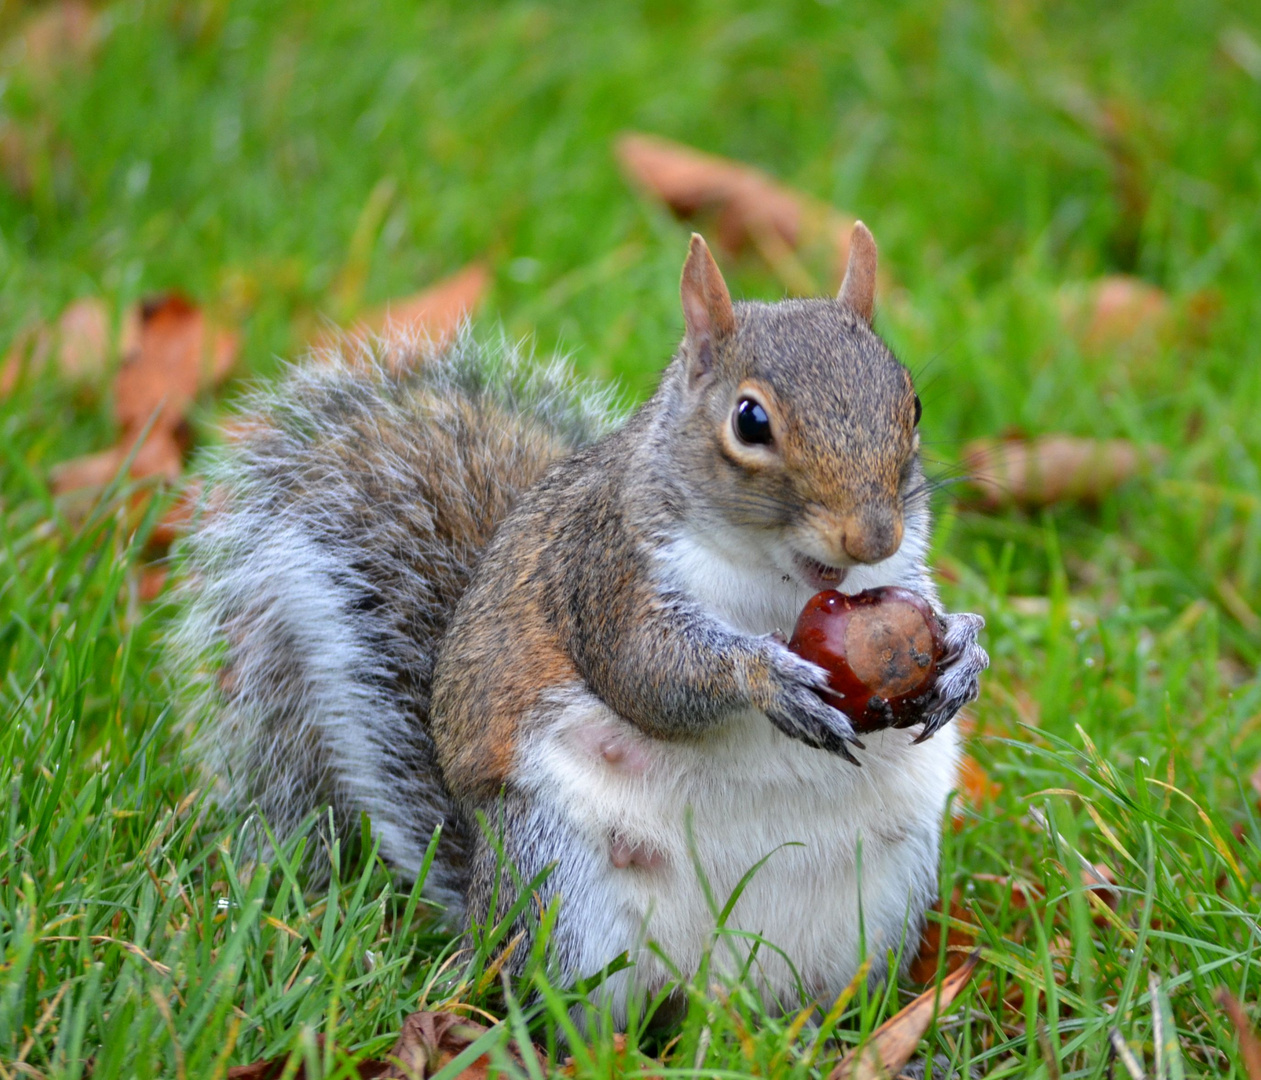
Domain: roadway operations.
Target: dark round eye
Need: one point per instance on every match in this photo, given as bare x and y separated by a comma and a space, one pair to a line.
752, 424
919, 410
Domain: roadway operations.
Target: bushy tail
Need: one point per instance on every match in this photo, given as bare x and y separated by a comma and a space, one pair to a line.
339, 526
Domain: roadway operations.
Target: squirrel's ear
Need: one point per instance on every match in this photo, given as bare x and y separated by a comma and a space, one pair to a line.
707, 311
858, 290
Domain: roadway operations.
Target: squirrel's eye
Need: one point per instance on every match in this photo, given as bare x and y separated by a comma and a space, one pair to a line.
752, 424
919, 410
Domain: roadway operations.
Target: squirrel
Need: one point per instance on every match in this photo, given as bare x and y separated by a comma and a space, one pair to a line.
449, 586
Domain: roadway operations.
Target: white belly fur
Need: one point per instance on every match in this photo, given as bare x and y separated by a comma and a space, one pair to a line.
747, 790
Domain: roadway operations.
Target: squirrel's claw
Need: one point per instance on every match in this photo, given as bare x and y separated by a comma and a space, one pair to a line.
793, 705
958, 679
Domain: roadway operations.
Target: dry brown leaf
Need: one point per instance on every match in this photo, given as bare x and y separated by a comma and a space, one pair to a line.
429, 1040
893, 1042
15, 158
1052, 468
923, 969
1249, 1044
175, 522
59, 35
975, 784
160, 456
435, 312
152, 582
78, 341
1100, 880
274, 1068
1115, 310
975, 788
1021, 892
27, 354
82, 332
751, 208
170, 353
1120, 312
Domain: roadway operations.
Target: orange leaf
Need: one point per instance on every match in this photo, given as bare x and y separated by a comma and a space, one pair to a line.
152, 582
79, 340
893, 1042
59, 35
1249, 1044
429, 1040
1101, 881
1053, 468
923, 969
159, 456
83, 338
751, 207
178, 517
175, 353
975, 783
434, 313
274, 1068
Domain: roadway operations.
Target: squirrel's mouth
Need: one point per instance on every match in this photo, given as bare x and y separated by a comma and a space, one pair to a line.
818, 575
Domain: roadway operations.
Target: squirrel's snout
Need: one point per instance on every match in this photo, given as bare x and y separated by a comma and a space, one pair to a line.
872, 534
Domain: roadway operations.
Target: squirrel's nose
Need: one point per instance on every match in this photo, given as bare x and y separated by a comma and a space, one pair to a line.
872, 534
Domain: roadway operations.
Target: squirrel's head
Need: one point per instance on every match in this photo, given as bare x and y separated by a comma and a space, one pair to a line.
802, 422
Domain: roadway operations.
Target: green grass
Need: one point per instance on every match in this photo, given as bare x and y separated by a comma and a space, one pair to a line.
283, 162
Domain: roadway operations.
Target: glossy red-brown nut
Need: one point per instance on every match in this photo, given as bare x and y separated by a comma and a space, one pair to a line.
880, 649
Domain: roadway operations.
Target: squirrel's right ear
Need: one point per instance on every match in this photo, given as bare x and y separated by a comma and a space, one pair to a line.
707, 311
858, 290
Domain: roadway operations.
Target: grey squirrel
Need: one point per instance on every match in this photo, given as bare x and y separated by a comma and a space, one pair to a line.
433, 584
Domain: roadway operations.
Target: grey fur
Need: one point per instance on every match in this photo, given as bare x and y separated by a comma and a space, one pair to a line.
320, 576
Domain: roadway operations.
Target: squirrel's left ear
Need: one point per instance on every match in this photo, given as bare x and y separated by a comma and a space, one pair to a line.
858, 290
707, 311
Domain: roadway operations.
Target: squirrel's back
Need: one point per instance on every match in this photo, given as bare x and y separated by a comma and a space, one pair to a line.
326, 560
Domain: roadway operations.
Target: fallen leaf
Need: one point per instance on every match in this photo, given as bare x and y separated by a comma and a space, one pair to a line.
1053, 468
893, 1042
1249, 1044
752, 209
1019, 890
974, 783
57, 36
175, 353
16, 154
152, 582
159, 456
429, 1040
82, 331
1100, 880
274, 1068
434, 313
175, 522
78, 342
170, 352
923, 969
1114, 310
1120, 312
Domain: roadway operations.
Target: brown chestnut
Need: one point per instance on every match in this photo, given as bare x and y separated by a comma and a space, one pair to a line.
880, 649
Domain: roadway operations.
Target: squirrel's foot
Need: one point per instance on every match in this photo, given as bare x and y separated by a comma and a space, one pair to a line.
958, 672
790, 698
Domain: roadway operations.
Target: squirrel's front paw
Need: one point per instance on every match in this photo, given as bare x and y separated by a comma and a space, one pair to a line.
789, 695
958, 672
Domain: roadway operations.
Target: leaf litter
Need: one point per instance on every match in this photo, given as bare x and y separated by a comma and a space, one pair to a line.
1050, 469
427, 1043
751, 209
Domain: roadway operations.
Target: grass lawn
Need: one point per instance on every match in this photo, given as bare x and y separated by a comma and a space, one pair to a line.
288, 162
